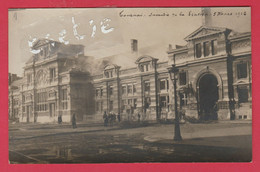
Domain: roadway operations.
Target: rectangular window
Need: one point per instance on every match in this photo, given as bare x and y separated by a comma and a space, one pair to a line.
124, 89
147, 86
198, 50
141, 68
183, 99
214, 49
64, 99
52, 74
110, 90
134, 88
101, 92
162, 84
163, 102
147, 102
242, 70
182, 78
144, 67
147, 67
41, 101
242, 94
206, 49
135, 103
129, 101
130, 89
123, 103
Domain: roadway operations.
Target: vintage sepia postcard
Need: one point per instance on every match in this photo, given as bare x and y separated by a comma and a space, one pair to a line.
127, 85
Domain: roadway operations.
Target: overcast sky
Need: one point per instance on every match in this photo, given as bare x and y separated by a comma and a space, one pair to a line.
27, 24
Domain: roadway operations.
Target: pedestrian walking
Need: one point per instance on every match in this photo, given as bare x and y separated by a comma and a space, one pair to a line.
105, 118
118, 117
139, 116
74, 125
59, 119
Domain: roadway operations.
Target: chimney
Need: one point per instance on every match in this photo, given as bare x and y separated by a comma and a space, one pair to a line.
170, 47
134, 47
206, 16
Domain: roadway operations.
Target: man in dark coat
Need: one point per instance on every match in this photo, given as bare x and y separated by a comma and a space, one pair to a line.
105, 118
59, 119
118, 117
74, 125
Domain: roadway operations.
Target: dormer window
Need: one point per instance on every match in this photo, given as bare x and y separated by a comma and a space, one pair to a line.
109, 74
141, 68
144, 67
146, 63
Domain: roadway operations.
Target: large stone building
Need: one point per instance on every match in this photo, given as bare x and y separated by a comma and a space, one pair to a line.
213, 81
53, 85
215, 70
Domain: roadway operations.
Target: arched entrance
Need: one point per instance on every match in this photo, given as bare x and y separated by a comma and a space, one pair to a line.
208, 96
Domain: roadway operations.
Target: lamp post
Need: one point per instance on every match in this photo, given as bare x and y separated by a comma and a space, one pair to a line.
177, 132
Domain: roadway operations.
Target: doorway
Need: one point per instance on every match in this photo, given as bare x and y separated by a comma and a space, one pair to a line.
208, 97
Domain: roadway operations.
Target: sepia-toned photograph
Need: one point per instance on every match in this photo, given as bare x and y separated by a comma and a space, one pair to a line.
129, 85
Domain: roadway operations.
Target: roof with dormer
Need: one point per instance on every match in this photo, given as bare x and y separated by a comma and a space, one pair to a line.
145, 58
111, 66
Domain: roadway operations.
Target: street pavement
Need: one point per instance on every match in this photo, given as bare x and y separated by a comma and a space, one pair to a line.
230, 140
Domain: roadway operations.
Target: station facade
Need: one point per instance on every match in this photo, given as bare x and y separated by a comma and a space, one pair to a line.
213, 82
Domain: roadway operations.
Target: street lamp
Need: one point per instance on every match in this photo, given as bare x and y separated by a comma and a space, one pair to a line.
173, 70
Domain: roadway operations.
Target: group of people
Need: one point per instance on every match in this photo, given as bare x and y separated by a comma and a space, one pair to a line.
110, 119
73, 120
